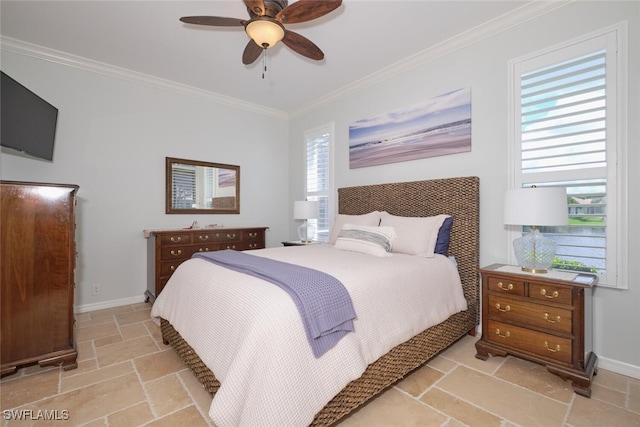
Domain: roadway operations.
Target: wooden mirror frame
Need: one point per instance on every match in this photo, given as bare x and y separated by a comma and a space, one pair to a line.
170, 209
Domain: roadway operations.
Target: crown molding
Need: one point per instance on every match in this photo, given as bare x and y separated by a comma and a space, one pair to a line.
473, 35
35, 51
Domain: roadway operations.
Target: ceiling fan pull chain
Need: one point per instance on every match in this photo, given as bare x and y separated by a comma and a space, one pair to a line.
264, 61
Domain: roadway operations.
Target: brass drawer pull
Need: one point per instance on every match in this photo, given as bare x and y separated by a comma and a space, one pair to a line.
507, 288
543, 292
231, 236
505, 335
253, 234
231, 247
172, 268
505, 309
203, 249
203, 238
176, 239
552, 350
550, 319
176, 253
253, 245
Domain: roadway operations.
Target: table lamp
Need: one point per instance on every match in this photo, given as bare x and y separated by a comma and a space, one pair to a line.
535, 206
306, 210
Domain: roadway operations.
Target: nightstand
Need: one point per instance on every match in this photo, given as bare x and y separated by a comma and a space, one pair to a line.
299, 243
544, 318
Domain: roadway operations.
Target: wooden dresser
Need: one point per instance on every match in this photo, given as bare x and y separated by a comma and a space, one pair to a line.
167, 249
38, 257
543, 318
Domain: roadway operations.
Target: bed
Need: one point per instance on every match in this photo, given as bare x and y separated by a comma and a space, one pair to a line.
458, 197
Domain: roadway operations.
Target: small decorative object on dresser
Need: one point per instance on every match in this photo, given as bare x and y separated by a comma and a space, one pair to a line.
546, 320
37, 275
169, 248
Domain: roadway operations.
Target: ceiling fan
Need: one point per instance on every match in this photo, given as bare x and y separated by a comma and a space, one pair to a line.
266, 25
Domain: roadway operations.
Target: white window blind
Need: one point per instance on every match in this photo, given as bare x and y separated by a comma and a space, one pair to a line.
318, 176
184, 187
565, 119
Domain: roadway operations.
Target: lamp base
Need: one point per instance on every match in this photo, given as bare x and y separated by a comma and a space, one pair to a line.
306, 232
534, 252
533, 270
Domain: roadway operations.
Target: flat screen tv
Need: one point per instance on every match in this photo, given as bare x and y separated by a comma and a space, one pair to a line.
27, 122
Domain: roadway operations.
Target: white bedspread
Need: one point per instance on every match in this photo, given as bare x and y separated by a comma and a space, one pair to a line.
249, 332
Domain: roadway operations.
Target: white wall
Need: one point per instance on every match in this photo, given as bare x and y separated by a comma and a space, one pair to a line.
112, 139
483, 67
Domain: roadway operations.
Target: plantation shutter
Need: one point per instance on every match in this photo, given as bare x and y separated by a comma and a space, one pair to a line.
318, 157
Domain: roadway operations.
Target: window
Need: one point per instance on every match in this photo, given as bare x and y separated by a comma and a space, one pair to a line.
319, 158
565, 121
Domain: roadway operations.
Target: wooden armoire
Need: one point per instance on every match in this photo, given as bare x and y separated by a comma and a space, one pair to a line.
37, 262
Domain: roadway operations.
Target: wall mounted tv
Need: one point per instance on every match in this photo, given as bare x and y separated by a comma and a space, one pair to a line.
28, 122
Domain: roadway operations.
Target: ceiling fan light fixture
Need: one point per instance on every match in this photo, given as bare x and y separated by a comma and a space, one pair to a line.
265, 32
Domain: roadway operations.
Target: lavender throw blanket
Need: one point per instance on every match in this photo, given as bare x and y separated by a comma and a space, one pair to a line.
323, 302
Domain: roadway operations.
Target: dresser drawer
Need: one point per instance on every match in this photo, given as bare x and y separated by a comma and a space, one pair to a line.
506, 286
530, 314
175, 239
544, 345
217, 236
244, 246
177, 252
253, 236
168, 267
545, 292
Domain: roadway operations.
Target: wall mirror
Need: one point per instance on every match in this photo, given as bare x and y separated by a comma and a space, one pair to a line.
201, 187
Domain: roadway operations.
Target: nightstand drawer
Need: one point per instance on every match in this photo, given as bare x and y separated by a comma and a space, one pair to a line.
506, 286
530, 314
545, 292
544, 345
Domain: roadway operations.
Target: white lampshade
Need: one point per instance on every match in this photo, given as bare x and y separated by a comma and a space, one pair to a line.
306, 209
536, 206
265, 32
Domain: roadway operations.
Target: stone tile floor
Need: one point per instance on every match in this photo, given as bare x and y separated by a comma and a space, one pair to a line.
127, 377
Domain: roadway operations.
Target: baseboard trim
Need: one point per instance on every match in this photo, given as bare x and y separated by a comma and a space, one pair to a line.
619, 367
108, 304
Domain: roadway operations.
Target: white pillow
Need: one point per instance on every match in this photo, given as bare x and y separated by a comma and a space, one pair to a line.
370, 219
415, 235
372, 240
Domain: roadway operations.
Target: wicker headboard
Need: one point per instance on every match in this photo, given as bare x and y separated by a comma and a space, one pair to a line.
459, 197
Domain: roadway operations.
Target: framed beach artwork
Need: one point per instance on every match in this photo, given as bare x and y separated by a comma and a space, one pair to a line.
438, 127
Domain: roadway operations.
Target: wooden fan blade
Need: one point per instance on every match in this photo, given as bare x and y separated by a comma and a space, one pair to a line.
302, 45
306, 10
217, 21
255, 6
251, 52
